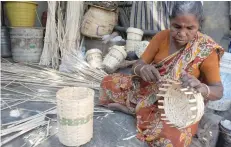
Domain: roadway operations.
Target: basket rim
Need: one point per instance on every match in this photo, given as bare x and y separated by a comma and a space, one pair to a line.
39, 28
166, 104
93, 50
58, 96
23, 2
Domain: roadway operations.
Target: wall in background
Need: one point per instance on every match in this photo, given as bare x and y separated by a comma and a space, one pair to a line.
42, 6
217, 21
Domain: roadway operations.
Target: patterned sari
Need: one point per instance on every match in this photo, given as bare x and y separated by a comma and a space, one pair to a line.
140, 96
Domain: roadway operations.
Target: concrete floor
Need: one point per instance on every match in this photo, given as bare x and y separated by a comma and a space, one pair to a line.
111, 130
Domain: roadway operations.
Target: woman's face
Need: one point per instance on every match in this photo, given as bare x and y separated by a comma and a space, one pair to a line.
184, 28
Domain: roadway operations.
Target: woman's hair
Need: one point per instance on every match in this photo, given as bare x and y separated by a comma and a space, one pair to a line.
188, 7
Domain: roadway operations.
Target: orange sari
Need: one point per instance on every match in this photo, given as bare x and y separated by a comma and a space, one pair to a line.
140, 96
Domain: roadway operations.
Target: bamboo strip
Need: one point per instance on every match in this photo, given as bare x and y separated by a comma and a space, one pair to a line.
51, 110
22, 132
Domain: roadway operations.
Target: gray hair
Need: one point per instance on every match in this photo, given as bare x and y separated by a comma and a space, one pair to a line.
188, 7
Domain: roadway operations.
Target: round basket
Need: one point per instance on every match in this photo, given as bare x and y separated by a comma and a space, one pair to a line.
75, 107
21, 14
112, 60
98, 22
182, 107
94, 58
134, 34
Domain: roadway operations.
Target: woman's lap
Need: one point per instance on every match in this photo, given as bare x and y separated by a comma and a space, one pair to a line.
140, 99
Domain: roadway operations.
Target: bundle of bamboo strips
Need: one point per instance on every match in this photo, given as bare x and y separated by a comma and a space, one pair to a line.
63, 36
73, 23
61, 26
46, 77
50, 54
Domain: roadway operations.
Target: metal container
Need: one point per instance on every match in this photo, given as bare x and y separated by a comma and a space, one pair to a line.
224, 139
5, 42
27, 44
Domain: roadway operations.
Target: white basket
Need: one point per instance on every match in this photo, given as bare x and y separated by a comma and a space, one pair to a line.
140, 48
182, 107
112, 60
94, 58
134, 34
131, 45
75, 107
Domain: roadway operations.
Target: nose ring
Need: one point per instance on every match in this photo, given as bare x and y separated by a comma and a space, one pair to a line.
177, 33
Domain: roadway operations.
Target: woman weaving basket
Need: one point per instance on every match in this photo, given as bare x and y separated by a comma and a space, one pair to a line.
181, 53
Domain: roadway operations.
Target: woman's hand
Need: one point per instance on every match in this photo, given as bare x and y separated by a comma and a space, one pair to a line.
146, 71
149, 73
192, 82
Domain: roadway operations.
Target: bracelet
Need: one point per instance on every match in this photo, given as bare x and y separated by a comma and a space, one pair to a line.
135, 69
208, 89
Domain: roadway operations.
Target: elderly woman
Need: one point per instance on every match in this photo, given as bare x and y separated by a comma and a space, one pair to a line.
181, 53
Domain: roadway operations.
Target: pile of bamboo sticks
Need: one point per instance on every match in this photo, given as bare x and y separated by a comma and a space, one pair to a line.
62, 31
37, 75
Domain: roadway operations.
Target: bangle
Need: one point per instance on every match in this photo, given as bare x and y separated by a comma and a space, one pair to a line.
135, 69
208, 89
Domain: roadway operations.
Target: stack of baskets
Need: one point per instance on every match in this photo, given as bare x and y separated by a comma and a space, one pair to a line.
182, 106
26, 40
98, 21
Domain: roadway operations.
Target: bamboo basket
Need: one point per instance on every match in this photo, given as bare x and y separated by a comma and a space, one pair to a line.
134, 34
114, 58
94, 58
131, 45
98, 22
107, 5
75, 107
182, 107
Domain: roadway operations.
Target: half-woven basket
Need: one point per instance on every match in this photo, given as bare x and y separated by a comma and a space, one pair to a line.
182, 106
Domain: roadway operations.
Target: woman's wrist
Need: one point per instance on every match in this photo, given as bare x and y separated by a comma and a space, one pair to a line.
207, 93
